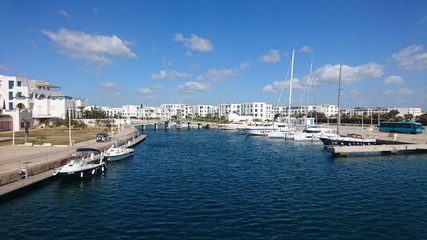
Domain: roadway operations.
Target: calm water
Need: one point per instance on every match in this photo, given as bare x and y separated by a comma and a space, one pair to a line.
211, 184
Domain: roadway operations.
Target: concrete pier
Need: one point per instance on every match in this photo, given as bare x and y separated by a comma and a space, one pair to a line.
383, 149
38, 162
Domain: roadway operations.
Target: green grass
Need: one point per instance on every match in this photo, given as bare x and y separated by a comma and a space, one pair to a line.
56, 136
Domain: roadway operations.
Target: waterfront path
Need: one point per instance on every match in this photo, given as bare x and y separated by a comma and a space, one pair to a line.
38, 159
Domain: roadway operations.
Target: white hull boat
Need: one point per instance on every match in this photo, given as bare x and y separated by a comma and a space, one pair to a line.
118, 153
313, 134
85, 162
351, 139
232, 126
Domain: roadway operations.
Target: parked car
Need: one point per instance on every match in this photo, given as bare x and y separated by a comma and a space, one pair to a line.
102, 137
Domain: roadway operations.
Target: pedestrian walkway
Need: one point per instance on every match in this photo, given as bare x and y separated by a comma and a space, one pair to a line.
15, 158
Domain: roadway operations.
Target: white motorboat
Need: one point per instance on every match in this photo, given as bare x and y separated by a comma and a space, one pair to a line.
232, 126
85, 162
352, 139
281, 130
313, 133
261, 129
118, 153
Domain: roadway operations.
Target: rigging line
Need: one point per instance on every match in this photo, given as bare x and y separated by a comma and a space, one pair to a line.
283, 86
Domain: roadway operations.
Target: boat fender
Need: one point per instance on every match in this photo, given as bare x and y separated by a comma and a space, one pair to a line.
102, 168
81, 174
93, 171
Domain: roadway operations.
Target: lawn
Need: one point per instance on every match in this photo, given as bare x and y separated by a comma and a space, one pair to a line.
56, 136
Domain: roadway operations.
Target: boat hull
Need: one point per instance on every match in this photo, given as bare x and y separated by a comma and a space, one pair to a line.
346, 141
119, 157
95, 170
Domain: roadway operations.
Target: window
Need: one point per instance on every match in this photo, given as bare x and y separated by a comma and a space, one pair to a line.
10, 84
19, 84
10, 106
10, 95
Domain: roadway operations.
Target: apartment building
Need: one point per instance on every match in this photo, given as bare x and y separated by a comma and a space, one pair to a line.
41, 99
258, 110
224, 109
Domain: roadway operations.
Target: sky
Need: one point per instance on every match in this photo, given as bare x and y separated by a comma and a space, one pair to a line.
154, 52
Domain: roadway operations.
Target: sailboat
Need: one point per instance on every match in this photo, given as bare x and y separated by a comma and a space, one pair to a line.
282, 129
312, 133
351, 139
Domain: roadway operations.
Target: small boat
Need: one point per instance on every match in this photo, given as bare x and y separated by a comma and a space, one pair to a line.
352, 139
232, 126
313, 133
260, 129
118, 153
85, 162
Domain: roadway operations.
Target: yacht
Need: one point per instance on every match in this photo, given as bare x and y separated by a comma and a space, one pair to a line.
85, 162
313, 133
259, 129
232, 126
352, 139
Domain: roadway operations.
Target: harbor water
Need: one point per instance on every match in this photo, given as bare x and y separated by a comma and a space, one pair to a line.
212, 184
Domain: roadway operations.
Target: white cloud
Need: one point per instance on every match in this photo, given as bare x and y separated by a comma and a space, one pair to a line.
110, 90
273, 56
220, 75
394, 80
279, 86
411, 58
3, 67
192, 87
399, 92
194, 42
330, 73
64, 14
145, 91
149, 91
423, 20
244, 65
306, 49
97, 49
167, 75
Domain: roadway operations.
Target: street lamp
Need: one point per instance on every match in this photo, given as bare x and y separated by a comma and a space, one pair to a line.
69, 125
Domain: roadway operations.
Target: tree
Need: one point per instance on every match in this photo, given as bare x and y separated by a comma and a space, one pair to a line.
392, 115
26, 126
409, 117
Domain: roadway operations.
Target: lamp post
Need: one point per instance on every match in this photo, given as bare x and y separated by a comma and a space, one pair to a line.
69, 125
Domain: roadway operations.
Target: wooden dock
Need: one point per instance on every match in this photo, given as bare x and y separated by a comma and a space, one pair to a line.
384, 149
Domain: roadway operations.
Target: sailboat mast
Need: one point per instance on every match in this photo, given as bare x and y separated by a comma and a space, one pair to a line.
308, 91
290, 87
339, 96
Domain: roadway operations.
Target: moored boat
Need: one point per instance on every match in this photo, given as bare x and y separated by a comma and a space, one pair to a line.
85, 162
313, 134
232, 126
118, 153
352, 139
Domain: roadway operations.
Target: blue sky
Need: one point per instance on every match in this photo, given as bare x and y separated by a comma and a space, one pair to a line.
116, 53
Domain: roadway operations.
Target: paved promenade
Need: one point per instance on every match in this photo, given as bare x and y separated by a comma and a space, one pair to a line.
14, 158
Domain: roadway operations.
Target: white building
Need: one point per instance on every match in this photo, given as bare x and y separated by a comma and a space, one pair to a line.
131, 111
150, 112
414, 111
328, 110
202, 110
225, 109
167, 111
258, 110
41, 99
